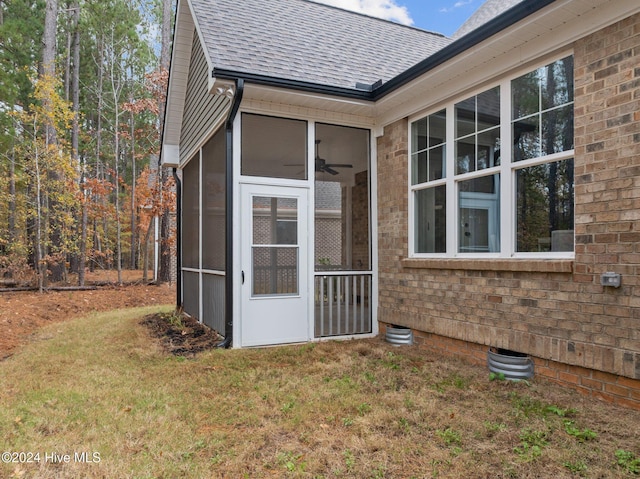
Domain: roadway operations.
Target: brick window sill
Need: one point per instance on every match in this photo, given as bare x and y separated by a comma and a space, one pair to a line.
493, 264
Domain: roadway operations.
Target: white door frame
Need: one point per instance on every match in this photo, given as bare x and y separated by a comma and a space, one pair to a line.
273, 317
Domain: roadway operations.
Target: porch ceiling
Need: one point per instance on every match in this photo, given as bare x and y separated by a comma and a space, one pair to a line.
279, 100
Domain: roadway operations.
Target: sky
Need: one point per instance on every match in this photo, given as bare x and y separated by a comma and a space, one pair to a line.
442, 16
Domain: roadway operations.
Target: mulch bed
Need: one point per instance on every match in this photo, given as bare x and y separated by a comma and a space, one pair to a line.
181, 335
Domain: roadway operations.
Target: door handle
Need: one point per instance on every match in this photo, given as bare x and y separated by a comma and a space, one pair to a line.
242, 275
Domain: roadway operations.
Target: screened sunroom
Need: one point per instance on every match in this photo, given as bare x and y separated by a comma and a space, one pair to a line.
296, 206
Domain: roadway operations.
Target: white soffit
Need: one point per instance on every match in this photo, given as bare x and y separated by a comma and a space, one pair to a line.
552, 29
313, 105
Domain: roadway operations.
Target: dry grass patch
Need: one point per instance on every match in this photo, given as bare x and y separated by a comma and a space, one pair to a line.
360, 409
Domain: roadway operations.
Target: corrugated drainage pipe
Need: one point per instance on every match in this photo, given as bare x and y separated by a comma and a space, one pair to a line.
512, 365
399, 335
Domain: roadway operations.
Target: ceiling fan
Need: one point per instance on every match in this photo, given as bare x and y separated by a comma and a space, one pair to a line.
321, 165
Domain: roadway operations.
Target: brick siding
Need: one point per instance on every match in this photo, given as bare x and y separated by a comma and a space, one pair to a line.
579, 332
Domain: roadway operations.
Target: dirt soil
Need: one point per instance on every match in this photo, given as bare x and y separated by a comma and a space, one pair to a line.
180, 335
23, 313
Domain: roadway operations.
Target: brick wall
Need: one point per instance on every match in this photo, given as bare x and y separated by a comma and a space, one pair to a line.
579, 332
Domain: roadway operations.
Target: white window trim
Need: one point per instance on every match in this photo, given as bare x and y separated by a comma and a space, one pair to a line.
507, 171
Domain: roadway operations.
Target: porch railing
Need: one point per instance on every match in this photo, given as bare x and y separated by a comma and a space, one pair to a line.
269, 280
342, 303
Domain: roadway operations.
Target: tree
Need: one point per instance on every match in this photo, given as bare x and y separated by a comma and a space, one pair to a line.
49, 175
69, 213
165, 228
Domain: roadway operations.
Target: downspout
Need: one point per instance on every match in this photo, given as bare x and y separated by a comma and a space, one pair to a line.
178, 239
228, 253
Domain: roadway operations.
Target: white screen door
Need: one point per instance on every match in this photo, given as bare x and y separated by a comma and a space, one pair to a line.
274, 265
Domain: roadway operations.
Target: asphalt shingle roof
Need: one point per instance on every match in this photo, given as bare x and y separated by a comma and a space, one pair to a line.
487, 11
304, 41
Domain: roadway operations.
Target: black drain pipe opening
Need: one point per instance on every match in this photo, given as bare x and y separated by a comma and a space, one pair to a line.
228, 256
178, 240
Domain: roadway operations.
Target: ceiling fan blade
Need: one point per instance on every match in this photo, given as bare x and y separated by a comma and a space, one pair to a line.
338, 165
329, 170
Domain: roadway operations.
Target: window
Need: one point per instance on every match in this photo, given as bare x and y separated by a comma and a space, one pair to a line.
428, 146
273, 147
342, 199
492, 174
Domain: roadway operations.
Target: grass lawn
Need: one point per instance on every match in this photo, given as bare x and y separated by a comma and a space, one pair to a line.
97, 397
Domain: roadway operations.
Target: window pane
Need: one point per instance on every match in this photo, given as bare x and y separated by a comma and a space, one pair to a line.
488, 149
419, 168
545, 207
543, 98
430, 220
482, 150
557, 83
557, 130
465, 117
437, 128
275, 270
489, 108
274, 147
428, 133
525, 95
419, 135
191, 214
342, 200
466, 155
269, 217
479, 215
436, 163
213, 202
526, 138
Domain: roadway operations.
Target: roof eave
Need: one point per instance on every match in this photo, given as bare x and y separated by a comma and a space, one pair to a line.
309, 87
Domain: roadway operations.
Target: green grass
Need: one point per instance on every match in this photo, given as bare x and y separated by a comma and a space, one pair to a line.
359, 409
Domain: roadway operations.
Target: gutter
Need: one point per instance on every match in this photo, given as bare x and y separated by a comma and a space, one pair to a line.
516, 13
228, 254
178, 238
257, 79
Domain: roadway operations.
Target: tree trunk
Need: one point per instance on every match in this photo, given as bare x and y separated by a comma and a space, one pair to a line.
145, 260
99, 170
48, 72
133, 263
39, 249
75, 134
165, 50
116, 149
165, 226
49, 38
69, 54
12, 195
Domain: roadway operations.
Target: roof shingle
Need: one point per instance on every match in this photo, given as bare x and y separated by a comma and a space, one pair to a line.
487, 11
309, 42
